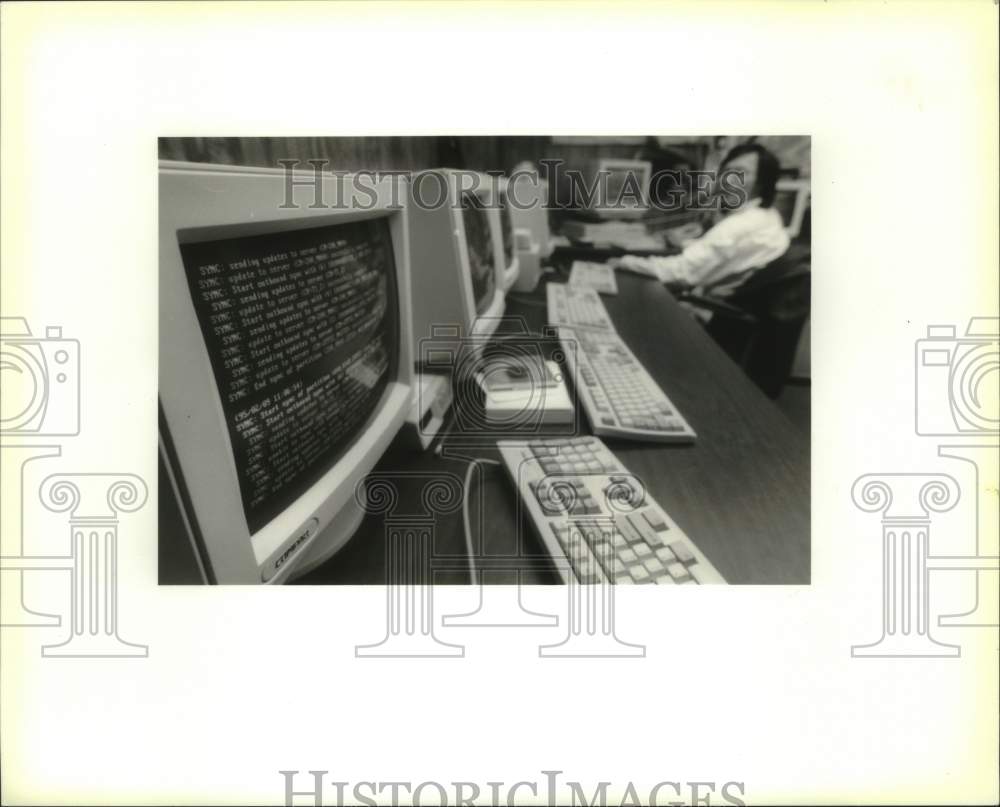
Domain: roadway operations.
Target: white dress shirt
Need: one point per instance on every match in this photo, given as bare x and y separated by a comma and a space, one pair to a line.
747, 238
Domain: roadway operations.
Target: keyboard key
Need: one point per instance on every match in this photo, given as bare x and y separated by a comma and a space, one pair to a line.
698, 573
653, 566
641, 526
629, 556
678, 572
639, 574
606, 561
665, 555
655, 520
642, 551
561, 532
682, 552
602, 547
627, 530
665, 580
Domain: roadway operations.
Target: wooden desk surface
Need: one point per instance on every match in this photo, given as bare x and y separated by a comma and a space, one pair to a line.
741, 491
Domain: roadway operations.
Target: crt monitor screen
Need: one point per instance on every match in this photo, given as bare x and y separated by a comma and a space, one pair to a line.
625, 183
479, 242
301, 330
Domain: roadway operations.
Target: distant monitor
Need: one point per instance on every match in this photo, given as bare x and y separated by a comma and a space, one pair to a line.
791, 201
285, 359
485, 268
623, 188
510, 260
456, 254
529, 205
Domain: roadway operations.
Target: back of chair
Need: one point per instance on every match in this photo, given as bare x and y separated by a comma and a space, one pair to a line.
778, 296
780, 289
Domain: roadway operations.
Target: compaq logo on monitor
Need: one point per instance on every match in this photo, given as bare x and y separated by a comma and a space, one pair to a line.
291, 549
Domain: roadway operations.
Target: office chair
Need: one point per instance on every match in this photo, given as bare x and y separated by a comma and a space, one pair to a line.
759, 324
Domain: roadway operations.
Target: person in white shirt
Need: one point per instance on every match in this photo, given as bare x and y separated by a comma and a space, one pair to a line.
749, 234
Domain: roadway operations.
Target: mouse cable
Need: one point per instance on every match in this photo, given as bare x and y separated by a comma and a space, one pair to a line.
473, 462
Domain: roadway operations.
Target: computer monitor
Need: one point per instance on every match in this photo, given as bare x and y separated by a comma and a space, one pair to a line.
285, 358
529, 207
791, 201
622, 188
456, 254
505, 218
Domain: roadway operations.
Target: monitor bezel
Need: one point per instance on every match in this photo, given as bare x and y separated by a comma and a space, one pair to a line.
480, 323
802, 188
534, 217
189, 203
512, 267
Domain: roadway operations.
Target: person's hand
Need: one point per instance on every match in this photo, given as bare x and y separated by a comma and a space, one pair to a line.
685, 234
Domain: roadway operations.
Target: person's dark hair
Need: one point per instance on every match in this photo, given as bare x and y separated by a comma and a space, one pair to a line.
767, 171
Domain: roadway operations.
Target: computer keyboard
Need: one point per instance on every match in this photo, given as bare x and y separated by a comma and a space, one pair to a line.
596, 519
620, 398
576, 306
597, 276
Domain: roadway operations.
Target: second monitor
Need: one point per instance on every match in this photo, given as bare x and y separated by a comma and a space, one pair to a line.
511, 263
457, 254
622, 189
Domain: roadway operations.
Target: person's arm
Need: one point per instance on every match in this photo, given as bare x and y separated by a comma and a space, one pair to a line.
681, 236
694, 265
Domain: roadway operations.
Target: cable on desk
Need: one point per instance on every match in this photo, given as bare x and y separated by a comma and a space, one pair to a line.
473, 572
473, 462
